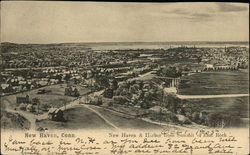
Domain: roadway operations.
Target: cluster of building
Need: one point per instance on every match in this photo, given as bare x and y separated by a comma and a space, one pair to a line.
27, 104
83, 66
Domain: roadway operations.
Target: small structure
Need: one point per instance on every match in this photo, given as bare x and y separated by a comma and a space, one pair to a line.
41, 91
209, 66
30, 108
171, 90
20, 100
56, 114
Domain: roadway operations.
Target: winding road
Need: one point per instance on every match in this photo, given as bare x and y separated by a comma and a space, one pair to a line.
32, 117
100, 115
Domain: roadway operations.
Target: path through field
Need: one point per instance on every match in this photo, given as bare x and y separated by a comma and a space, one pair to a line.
100, 115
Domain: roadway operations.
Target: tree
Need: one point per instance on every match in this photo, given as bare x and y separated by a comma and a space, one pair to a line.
199, 59
172, 102
169, 72
58, 77
134, 89
76, 93
22, 106
36, 101
120, 100
67, 77
214, 119
45, 107
102, 81
114, 84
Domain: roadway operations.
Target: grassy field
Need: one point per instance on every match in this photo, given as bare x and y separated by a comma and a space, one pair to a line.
125, 122
13, 121
54, 97
77, 118
213, 83
80, 117
237, 106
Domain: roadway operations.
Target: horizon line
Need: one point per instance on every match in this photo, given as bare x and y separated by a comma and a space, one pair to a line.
93, 42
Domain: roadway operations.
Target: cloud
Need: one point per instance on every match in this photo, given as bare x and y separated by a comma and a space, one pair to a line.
180, 11
202, 15
198, 17
192, 16
192, 13
226, 7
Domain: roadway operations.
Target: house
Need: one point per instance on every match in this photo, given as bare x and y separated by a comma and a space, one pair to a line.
89, 74
170, 90
56, 114
185, 73
54, 81
31, 108
197, 69
21, 82
209, 65
6, 88
17, 88
42, 83
20, 99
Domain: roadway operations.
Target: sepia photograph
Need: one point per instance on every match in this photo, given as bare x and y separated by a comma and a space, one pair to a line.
69, 69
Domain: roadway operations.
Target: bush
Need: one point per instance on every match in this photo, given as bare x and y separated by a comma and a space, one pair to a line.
214, 119
45, 107
183, 120
120, 100
22, 106
96, 100
195, 117
172, 102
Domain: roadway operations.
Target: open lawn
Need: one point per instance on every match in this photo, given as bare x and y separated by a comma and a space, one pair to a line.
81, 117
78, 117
53, 97
125, 122
213, 83
237, 106
13, 120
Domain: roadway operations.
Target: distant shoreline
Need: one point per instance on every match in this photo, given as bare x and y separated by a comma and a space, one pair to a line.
143, 42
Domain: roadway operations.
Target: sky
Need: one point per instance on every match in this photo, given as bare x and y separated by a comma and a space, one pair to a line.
61, 22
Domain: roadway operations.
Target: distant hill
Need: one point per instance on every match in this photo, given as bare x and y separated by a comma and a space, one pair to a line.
14, 47
169, 43
133, 43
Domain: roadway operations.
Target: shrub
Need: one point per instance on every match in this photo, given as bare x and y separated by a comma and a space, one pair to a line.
120, 100
45, 107
22, 106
